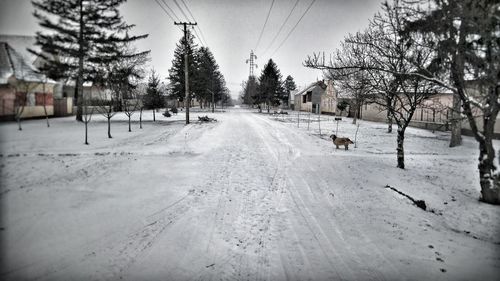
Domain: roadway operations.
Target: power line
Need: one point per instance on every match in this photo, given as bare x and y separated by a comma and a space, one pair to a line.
262, 31
187, 18
170, 9
289, 33
281, 28
182, 11
197, 26
168, 14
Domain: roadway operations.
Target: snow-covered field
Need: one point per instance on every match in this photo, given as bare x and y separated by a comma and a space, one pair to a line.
250, 197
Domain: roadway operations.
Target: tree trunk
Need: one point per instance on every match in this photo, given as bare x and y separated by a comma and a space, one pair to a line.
400, 148
86, 142
456, 123
19, 122
355, 117
129, 128
488, 179
389, 122
45, 106
109, 128
154, 116
79, 80
140, 119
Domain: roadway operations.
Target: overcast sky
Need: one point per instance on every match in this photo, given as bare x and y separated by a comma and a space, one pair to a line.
231, 29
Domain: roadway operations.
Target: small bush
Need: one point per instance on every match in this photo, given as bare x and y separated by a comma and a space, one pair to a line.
174, 110
167, 114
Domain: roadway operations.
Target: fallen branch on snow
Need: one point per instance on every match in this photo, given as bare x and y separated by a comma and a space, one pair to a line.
418, 203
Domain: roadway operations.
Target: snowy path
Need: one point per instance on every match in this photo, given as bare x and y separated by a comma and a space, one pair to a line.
247, 198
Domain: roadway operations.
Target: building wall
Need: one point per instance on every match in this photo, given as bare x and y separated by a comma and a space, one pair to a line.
298, 102
63, 106
7, 98
37, 111
433, 113
329, 99
33, 95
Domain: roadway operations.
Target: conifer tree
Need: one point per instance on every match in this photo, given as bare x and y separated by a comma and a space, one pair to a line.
82, 37
154, 97
270, 85
176, 72
289, 87
250, 95
207, 77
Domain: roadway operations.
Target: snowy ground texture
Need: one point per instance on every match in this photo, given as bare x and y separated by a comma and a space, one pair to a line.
250, 197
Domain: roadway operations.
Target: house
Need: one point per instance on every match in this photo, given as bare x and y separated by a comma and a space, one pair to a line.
318, 97
434, 113
24, 92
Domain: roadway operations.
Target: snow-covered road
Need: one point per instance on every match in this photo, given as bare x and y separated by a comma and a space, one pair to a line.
246, 198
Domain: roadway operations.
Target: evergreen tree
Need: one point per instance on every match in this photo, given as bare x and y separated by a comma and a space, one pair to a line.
176, 72
83, 36
270, 85
250, 94
154, 98
207, 78
289, 87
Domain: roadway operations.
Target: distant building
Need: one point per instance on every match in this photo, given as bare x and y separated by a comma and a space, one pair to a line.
318, 97
23, 90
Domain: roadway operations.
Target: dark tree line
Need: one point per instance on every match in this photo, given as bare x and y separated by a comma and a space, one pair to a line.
206, 82
415, 48
268, 89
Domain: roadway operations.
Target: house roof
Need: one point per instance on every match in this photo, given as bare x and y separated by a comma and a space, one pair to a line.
312, 85
12, 63
21, 43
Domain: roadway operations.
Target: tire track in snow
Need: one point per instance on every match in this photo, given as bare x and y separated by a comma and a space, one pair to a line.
324, 192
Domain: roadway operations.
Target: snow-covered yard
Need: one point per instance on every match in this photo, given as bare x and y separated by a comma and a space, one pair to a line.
250, 197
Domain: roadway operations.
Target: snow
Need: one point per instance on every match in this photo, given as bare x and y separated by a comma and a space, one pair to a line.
250, 197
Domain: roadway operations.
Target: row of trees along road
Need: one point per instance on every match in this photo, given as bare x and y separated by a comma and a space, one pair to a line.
269, 88
206, 82
86, 41
415, 48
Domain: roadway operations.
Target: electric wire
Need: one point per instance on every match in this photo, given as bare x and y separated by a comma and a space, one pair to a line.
295, 26
191, 14
187, 18
281, 27
166, 12
264, 27
170, 9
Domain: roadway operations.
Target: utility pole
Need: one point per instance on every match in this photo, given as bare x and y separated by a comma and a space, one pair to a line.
186, 75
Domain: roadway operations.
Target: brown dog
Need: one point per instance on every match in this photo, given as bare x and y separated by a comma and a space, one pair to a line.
341, 141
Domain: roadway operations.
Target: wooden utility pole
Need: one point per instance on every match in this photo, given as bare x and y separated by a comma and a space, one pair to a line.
186, 75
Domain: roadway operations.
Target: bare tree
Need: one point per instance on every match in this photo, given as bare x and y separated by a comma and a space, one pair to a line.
19, 104
44, 83
377, 57
353, 82
86, 113
131, 104
105, 107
